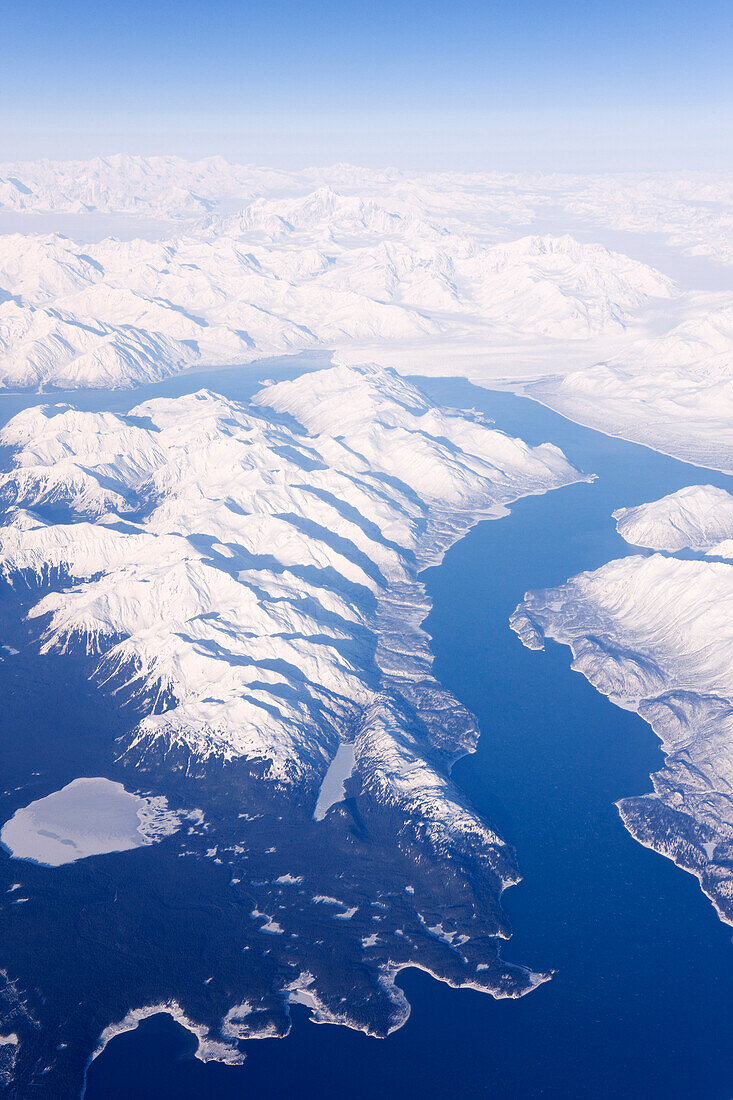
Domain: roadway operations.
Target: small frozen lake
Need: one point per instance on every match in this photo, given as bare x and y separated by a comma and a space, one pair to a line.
87, 817
332, 789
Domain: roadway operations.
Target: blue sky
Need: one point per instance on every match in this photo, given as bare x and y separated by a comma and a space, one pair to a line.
525, 85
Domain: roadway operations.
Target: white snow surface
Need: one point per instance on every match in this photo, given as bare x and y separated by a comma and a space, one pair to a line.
251, 580
655, 634
698, 517
611, 294
253, 263
87, 817
672, 391
328, 271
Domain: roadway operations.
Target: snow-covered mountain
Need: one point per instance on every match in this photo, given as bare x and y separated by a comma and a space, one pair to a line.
495, 277
162, 186
690, 209
654, 634
327, 271
673, 392
234, 590
698, 517
213, 552
246, 579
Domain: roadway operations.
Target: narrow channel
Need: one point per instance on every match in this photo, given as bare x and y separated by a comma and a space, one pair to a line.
640, 1002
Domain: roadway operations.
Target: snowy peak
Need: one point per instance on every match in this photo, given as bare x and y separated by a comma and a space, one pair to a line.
392, 267
231, 569
324, 212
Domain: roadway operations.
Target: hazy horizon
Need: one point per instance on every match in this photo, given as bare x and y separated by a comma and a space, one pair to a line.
531, 87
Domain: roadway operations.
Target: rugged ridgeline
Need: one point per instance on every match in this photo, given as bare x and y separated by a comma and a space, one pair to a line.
324, 271
245, 580
691, 210
477, 275
654, 634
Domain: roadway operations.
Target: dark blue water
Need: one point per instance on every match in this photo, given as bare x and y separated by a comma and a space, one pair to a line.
640, 1004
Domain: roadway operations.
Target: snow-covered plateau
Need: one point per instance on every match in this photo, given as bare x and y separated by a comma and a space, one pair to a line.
245, 581
655, 634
